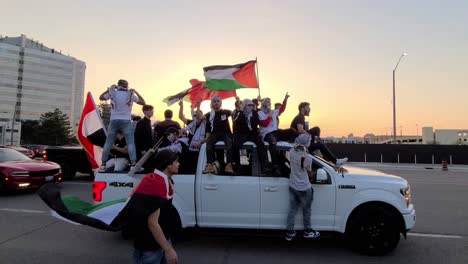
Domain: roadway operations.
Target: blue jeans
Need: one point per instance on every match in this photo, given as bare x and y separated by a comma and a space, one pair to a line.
127, 129
298, 199
148, 256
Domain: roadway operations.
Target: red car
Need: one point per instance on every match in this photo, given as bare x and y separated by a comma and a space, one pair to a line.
18, 171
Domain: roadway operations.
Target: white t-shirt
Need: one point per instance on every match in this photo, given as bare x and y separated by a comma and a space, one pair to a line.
299, 178
273, 123
121, 104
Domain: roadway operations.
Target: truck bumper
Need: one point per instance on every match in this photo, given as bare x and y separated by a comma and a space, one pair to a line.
410, 218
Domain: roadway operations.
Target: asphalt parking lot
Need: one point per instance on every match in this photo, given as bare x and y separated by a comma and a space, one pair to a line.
28, 234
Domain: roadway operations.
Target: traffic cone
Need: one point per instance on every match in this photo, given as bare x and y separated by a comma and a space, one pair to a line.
444, 165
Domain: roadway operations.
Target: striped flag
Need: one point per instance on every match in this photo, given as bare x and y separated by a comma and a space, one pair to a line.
231, 77
91, 132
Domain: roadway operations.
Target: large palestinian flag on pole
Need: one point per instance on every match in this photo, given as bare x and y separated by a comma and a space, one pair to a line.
91, 132
231, 77
197, 94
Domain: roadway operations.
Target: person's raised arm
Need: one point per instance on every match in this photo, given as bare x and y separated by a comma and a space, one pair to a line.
283, 105
140, 101
104, 95
181, 112
158, 235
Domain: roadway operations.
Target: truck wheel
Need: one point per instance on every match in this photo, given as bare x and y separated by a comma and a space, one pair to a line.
373, 231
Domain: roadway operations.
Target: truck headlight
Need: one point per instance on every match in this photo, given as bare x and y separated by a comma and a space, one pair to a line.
406, 192
20, 174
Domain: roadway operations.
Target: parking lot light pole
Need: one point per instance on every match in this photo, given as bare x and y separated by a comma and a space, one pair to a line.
394, 104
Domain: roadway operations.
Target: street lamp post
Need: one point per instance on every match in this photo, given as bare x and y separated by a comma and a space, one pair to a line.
394, 104
12, 127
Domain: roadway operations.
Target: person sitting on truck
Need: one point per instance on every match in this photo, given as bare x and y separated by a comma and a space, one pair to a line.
122, 99
149, 212
218, 129
269, 128
161, 127
299, 124
119, 154
301, 193
245, 125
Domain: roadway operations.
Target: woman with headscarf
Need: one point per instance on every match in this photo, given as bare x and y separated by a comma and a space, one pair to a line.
269, 128
246, 124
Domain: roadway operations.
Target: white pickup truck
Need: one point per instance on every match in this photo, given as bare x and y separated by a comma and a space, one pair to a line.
370, 207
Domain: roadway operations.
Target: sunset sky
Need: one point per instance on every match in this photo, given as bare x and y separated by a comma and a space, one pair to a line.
337, 55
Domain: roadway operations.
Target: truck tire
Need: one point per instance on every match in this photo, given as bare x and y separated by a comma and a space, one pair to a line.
373, 230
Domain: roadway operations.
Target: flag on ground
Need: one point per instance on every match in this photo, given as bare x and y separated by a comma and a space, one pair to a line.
197, 94
232, 77
91, 132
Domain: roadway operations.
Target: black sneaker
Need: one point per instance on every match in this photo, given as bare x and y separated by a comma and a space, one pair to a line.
311, 234
290, 235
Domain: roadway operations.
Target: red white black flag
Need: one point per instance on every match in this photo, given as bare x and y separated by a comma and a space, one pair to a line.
91, 132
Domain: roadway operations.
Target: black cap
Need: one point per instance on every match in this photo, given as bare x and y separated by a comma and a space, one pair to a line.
164, 158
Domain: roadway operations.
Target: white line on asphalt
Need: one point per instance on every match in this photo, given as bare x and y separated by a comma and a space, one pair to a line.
434, 235
22, 210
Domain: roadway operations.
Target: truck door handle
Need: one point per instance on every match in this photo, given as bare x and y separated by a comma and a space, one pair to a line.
211, 187
271, 189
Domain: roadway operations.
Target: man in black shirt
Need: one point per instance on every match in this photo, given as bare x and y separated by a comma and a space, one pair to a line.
149, 212
298, 123
246, 124
218, 129
162, 126
144, 132
118, 153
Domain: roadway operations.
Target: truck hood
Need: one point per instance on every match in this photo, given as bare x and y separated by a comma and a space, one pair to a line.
369, 175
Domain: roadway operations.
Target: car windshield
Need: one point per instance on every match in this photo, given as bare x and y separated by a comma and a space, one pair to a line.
11, 155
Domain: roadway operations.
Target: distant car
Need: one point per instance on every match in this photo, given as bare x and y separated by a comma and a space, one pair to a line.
38, 150
17, 171
25, 151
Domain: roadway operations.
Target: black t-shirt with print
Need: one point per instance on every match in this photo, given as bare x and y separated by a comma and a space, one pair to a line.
220, 122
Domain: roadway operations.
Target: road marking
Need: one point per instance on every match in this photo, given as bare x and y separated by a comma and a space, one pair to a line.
22, 211
434, 235
77, 183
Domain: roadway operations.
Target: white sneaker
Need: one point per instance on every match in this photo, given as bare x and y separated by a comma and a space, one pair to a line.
102, 168
340, 162
139, 169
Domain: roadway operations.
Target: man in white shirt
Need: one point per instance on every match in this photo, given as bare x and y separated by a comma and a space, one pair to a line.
122, 100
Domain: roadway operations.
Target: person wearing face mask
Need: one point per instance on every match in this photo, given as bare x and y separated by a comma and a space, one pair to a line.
218, 129
246, 124
269, 128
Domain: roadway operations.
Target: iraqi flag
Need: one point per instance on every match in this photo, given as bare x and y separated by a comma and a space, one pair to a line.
152, 193
231, 77
197, 94
91, 132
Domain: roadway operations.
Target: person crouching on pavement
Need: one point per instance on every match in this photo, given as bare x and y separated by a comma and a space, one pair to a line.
301, 193
149, 212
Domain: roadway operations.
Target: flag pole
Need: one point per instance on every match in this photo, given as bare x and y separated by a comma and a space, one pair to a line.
258, 75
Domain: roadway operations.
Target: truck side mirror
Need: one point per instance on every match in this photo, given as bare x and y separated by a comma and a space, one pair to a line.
322, 176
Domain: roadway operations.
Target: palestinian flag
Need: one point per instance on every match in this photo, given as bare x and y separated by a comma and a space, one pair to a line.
153, 192
232, 77
197, 94
91, 132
